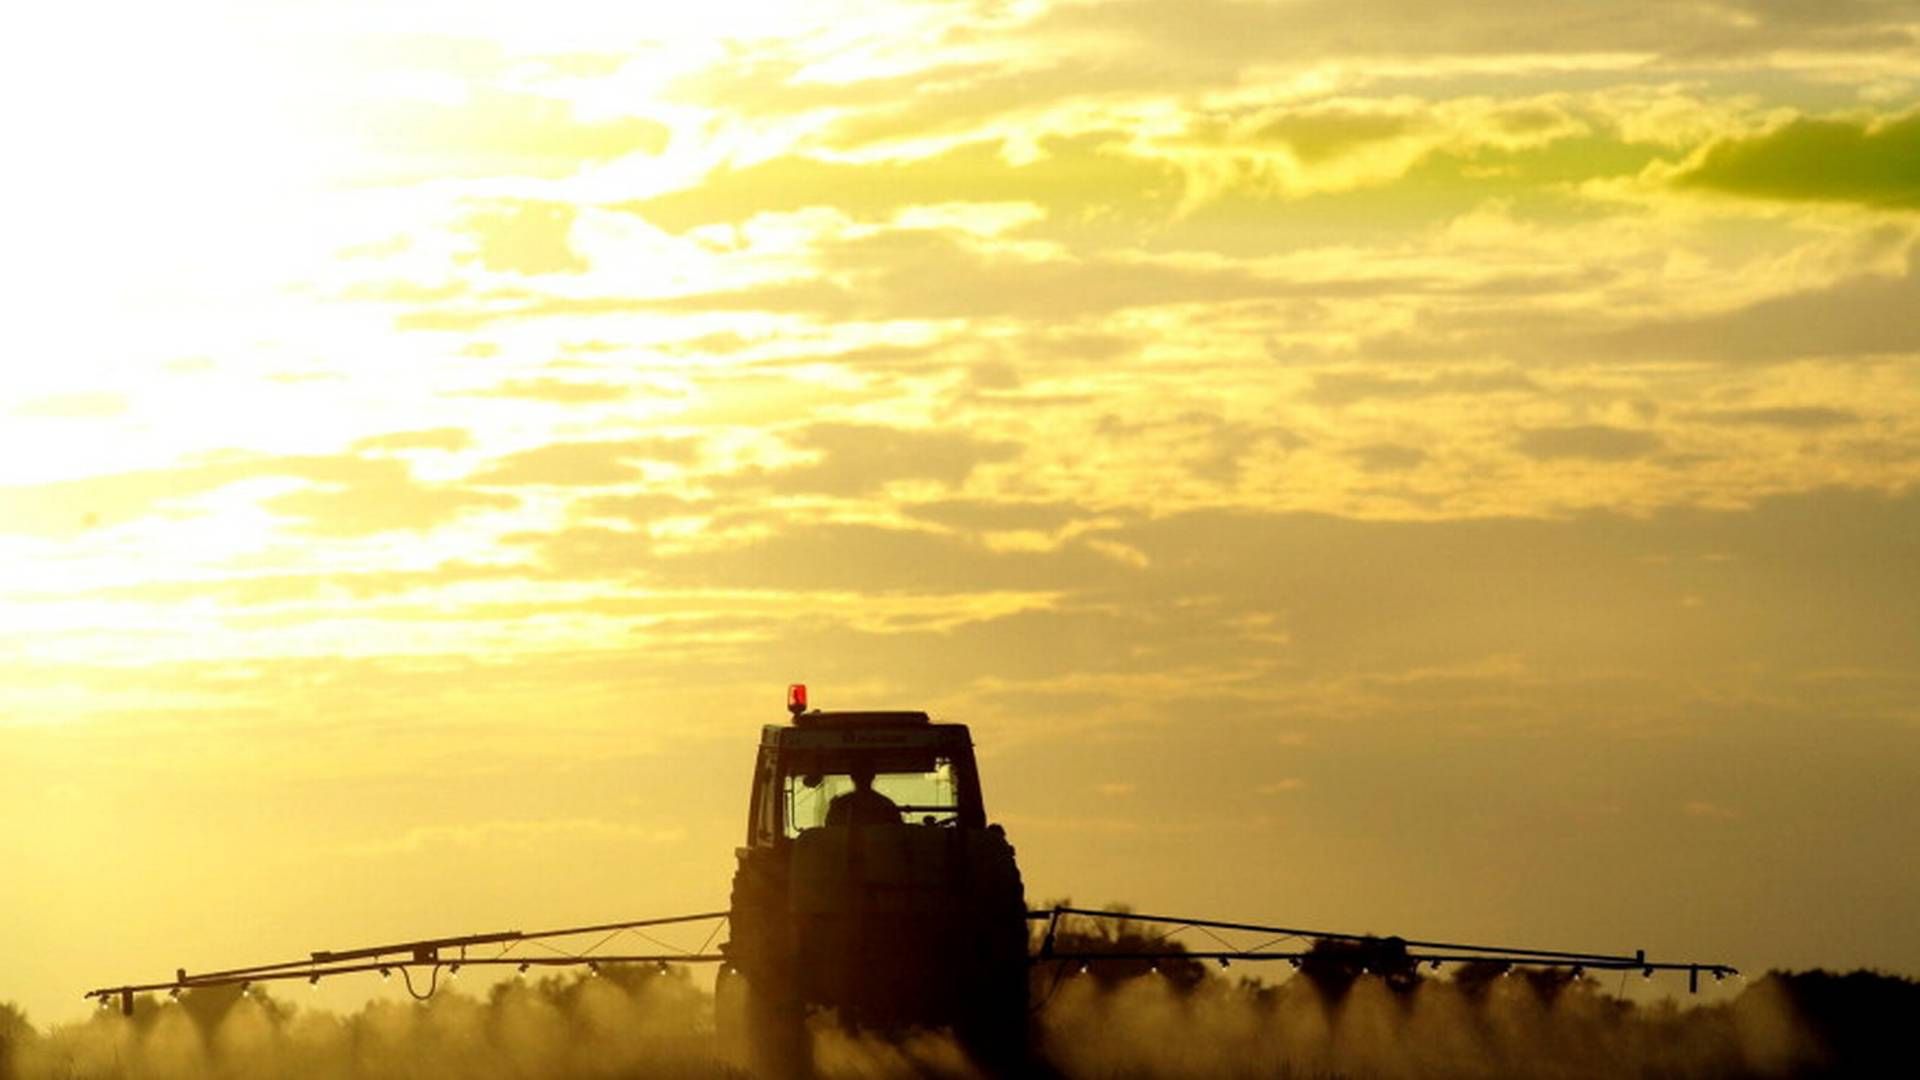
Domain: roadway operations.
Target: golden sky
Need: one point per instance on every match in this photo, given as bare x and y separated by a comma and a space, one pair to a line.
1438, 469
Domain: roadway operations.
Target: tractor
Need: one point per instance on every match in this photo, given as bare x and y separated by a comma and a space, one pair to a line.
872, 891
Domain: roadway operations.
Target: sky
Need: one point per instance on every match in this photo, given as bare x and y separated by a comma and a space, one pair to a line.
1436, 469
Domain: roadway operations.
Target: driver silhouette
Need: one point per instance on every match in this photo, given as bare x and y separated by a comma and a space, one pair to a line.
862, 805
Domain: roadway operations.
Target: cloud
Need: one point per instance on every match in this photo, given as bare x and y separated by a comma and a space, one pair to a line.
1874, 162
1018, 73
933, 274
1104, 182
272, 589
65, 506
1348, 387
1415, 595
341, 495
587, 463
1211, 447
1388, 457
1233, 36
491, 132
856, 459
523, 237
1590, 442
1790, 417
1293, 150
1088, 175
638, 509
992, 515
557, 391
1861, 315
1347, 593
447, 439
817, 250
358, 496
807, 555
1324, 135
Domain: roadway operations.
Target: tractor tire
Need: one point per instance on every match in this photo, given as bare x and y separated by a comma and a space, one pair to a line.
761, 989
779, 1046
995, 1021
730, 1018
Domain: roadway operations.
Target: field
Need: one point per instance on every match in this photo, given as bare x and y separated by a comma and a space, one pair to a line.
635, 1023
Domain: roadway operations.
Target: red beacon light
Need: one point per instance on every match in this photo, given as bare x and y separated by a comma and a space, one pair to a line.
797, 698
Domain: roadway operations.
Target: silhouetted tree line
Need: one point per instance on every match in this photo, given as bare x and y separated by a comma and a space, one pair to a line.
1863, 1021
1333, 966
1076, 935
15, 1032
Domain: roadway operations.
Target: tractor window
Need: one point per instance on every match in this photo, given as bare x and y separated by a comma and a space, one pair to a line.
765, 801
925, 796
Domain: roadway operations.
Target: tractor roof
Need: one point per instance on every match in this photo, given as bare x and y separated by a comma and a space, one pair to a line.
820, 719
853, 730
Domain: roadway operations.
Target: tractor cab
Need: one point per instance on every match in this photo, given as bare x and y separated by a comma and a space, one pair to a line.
891, 768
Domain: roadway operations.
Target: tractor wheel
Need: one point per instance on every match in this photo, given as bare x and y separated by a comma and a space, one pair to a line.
778, 1045
994, 1024
730, 1018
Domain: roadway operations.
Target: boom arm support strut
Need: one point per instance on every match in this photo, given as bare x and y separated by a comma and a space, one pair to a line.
435, 953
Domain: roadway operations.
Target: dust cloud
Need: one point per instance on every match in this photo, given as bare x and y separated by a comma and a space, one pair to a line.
633, 1023
1512, 1026
618, 1024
